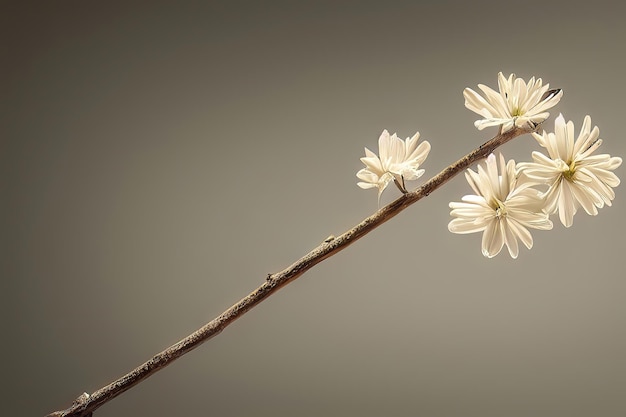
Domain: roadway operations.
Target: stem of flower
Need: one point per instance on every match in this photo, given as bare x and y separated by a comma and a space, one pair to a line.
85, 404
400, 185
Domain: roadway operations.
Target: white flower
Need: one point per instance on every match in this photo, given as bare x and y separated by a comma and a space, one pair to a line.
518, 104
575, 177
399, 161
503, 208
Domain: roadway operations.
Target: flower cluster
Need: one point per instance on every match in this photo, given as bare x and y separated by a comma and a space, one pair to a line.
509, 198
569, 177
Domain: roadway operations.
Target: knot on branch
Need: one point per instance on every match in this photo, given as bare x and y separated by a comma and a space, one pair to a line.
76, 405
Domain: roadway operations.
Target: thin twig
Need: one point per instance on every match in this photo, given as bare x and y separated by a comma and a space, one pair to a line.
85, 404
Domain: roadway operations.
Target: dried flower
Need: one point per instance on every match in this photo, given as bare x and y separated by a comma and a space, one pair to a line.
399, 161
503, 208
516, 105
575, 177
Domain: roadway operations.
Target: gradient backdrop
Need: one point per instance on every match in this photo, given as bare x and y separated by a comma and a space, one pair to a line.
158, 160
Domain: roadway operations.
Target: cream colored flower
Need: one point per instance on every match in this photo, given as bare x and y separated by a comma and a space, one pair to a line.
575, 177
517, 104
503, 208
399, 160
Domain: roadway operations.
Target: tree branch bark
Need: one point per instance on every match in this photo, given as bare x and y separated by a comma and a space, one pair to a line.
86, 404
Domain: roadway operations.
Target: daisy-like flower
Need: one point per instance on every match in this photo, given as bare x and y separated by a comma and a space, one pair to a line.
517, 104
503, 208
399, 161
575, 177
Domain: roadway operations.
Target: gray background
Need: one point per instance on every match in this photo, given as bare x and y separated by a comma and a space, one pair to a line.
159, 160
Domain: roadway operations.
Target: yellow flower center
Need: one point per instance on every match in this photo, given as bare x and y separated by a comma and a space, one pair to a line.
500, 208
568, 170
569, 174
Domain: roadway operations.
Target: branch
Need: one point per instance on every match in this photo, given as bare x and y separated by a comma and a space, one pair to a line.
87, 403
